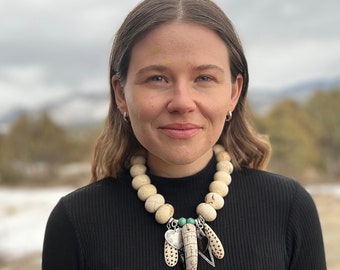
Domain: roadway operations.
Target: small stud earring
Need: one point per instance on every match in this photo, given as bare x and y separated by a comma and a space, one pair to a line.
125, 117
229, 116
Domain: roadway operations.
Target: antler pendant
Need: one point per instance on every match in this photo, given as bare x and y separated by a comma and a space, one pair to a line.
189, 236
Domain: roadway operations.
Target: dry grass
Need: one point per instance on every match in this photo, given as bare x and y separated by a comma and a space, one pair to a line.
29, 262
329, 211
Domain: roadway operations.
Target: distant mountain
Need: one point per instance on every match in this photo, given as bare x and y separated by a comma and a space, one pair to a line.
76, 109
80, 109
262, 100
85, 109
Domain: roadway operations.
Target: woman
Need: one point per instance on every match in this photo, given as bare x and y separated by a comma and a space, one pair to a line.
175, 135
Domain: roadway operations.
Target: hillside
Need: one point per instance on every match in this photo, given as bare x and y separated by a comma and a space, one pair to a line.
87, 109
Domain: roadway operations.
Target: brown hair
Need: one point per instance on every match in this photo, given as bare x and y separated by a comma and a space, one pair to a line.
117, 142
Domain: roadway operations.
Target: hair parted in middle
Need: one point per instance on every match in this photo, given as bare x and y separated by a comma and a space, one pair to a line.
117, 143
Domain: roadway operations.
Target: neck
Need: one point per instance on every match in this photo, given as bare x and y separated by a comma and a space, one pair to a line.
163, 168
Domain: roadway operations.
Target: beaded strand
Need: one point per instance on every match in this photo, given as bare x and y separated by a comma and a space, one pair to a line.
155, 202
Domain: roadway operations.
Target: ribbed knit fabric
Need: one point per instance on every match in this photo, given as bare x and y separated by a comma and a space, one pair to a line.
268, 222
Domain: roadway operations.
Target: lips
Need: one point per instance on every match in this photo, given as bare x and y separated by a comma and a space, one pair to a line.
181, 130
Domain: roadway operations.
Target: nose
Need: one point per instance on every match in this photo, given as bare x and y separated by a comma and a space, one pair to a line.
182, 99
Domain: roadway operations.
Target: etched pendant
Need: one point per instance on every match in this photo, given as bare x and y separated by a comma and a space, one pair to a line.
170, 254
214, 242
189, 235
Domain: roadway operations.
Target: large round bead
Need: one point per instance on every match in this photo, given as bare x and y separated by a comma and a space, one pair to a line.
146, 191
218, 148
140, 180
215, 200
219, 188
222, 176
137, 169
223, 156
225, 166
206, 211
164, 213
154, 202
137, 160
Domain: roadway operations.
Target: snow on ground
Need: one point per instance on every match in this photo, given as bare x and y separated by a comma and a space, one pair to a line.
23, 217
24, 213
325, 189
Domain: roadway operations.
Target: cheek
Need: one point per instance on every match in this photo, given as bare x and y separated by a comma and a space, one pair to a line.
219, 108
141, 109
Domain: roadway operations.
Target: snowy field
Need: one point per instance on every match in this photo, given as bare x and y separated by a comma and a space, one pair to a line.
24, 213
23, 216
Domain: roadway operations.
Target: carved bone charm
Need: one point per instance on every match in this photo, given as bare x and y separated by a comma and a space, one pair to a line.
189, 235
214, 242
170, 254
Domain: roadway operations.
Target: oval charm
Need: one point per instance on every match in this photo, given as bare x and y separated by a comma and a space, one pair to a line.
214, 242
170, 254
174, 238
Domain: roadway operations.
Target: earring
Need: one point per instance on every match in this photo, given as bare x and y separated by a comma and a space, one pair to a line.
229, 116
125, 117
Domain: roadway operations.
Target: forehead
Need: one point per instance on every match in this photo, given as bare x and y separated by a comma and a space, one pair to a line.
182, 39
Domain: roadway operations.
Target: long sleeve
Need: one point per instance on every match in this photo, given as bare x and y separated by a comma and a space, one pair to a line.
304, 237
61, 247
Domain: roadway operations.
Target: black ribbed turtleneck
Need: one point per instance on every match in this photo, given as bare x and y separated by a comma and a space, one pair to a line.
268, 222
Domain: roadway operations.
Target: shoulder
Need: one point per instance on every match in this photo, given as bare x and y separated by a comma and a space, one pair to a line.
270, 187
266, 180
96, 195
89, 191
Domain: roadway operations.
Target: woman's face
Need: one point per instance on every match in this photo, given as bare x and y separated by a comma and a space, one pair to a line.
177, 94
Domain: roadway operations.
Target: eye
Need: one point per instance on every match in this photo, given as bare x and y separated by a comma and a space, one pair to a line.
204, 78
158, 78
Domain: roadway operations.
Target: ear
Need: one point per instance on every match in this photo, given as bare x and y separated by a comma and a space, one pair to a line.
236, 92
118, 89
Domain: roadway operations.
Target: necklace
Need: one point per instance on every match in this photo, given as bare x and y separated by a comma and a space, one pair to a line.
186, 238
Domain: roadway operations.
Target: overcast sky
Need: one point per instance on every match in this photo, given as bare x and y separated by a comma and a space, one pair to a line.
49, 48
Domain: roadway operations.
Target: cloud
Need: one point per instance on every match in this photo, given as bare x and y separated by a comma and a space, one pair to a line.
70, 39
50, 48
25, 86
289, 63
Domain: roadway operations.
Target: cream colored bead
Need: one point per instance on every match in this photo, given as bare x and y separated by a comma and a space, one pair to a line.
140, 180
206, 211
225, 166
137, 160
223, 156
218, 148
146, 191
164, 213
154, 202
222, 176
137, 169
219, 188
215, 200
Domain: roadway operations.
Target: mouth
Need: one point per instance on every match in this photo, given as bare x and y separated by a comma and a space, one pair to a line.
181, 130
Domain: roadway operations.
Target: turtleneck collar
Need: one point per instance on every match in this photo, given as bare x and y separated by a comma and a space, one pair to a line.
186, 193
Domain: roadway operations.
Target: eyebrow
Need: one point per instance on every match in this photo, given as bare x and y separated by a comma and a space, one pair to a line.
207, 67
151, 68
162, 69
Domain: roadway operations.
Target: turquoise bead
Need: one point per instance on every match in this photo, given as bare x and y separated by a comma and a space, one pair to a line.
191, 221
182, 221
